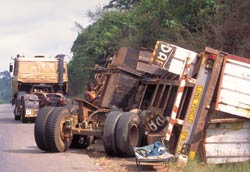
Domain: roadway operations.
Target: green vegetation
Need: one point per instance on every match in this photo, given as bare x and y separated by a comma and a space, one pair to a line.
197, 166
5, 85
194, 166
191, 24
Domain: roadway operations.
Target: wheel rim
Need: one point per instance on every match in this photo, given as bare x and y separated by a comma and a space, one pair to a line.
65, 133
133, 135
64, 130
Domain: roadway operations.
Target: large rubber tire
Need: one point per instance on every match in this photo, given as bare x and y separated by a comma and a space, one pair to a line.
128, 133
23, 118
54, 139
17, 115
109, 135
39, 129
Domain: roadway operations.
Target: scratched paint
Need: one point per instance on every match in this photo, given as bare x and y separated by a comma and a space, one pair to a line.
234, 89
227, 142
172, 58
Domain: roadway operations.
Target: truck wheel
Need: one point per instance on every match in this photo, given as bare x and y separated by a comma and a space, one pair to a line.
17, 117
23, 118
128, 133
17, 114
39, 129
58, 136
109, 140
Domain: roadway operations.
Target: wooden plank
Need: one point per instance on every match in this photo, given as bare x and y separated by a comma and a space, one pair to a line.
161, 96
226, 160
223, 120
227, 142
235, 82
167, 99
143, 95
221, 136
154, 95
227, 150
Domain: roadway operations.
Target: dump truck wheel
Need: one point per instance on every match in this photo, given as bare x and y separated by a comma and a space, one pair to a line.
58, 136
39, 129
128, 133
17, 114
23, 118
109, 129
17, 117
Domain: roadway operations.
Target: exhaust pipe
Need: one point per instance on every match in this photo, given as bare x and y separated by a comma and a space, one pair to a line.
60, 58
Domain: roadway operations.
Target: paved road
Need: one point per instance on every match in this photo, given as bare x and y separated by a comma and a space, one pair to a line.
18, 150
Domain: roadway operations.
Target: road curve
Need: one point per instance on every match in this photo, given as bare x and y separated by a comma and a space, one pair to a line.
18, 150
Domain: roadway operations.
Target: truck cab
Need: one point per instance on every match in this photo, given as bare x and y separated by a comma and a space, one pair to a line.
38, 79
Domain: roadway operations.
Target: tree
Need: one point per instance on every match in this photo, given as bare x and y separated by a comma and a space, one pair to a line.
5, 85
190, 24
121, 4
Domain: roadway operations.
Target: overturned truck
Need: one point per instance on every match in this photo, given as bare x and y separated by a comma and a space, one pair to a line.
196, 103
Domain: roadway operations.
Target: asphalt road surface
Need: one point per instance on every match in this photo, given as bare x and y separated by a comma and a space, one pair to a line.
18, 150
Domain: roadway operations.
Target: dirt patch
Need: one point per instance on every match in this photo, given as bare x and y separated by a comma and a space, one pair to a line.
123, 164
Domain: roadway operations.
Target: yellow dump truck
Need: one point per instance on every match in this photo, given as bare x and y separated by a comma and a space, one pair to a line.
37, 82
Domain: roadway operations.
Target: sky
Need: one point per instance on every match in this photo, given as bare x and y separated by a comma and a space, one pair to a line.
41, 27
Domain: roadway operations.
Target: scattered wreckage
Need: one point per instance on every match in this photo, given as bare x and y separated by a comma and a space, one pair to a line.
193, 102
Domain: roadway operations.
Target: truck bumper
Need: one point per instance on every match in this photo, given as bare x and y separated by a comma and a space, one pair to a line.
31, 113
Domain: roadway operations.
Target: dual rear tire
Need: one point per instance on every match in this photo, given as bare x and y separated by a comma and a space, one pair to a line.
121, 133
39, 130
109, 130
57, 135
49, 129
128, 134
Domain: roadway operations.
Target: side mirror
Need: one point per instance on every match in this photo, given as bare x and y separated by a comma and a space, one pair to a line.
11, 68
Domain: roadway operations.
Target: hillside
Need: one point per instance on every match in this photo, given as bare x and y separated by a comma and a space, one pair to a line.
220, 24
